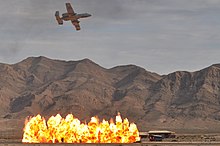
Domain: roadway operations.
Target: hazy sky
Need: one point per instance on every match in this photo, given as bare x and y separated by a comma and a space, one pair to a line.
161, 36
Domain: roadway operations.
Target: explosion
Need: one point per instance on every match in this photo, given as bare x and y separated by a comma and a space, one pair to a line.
70, 130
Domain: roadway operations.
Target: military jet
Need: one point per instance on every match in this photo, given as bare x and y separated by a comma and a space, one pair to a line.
70, 16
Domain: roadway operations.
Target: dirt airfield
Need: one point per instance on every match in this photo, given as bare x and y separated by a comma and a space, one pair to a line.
11, 133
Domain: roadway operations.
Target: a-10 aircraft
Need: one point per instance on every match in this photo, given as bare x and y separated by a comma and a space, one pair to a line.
71, 16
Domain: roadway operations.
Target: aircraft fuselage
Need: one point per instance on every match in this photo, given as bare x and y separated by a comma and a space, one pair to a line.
67, 16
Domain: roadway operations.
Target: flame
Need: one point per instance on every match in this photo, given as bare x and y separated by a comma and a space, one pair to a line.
71, 130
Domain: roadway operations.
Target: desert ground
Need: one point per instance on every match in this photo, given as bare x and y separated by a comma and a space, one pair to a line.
12, 133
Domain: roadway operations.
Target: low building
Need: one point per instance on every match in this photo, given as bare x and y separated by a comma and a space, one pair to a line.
158, 135
155, 138
143, 135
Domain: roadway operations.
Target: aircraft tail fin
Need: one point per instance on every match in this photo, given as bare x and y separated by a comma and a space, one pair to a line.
59, 20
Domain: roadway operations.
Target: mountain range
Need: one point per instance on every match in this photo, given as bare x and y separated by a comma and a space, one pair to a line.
178, 101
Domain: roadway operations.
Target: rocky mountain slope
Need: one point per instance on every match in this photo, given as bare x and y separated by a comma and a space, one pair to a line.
179, 100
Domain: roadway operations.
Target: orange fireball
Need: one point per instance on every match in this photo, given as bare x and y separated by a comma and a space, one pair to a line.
71, 130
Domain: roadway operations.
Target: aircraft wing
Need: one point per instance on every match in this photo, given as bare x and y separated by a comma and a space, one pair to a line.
76, 24
69, 8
